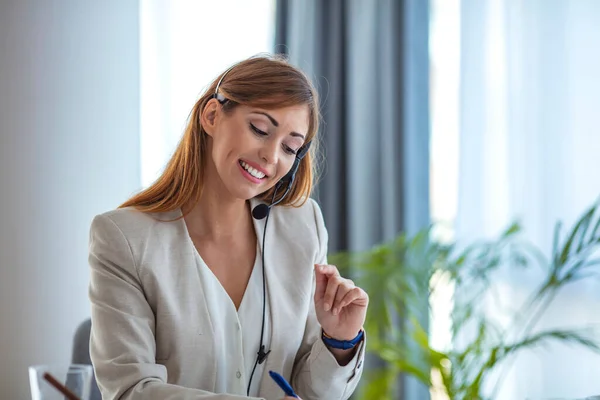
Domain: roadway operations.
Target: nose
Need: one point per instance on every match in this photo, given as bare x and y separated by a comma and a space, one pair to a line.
269, 153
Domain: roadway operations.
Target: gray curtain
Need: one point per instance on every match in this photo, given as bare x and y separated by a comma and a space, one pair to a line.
370, 62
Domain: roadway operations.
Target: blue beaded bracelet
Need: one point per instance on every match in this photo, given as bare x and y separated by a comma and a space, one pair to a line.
342, 344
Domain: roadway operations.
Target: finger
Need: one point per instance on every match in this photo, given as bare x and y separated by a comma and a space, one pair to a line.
321, 283
345, 286
329, 270
332, 286
356, 295
322, 274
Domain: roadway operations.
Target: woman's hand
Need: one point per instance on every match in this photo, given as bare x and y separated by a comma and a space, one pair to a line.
341, 307
291, 398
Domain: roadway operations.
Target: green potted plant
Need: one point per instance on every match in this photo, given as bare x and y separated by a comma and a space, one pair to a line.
400, 277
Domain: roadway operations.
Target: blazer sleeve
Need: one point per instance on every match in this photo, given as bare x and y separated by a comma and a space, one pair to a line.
122, 341
316, 373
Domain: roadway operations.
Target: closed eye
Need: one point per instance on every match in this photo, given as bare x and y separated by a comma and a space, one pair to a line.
257, 131
289, 150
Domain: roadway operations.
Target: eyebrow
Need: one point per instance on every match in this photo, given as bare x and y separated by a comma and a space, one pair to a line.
276, 124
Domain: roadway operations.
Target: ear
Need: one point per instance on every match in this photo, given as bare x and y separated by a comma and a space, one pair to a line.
208, 118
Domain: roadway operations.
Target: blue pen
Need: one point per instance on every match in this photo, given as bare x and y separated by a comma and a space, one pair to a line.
283, 384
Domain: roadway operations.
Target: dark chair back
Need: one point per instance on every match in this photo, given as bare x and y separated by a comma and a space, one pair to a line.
81, 353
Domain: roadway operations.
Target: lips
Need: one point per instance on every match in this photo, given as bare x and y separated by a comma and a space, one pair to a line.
253, 170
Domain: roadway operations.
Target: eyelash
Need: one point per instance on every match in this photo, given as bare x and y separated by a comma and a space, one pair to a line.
258, 132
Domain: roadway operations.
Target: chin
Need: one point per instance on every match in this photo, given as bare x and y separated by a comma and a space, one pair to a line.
246, 190
246, 194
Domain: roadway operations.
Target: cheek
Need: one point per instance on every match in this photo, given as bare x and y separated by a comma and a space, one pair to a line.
226, 145
237, 140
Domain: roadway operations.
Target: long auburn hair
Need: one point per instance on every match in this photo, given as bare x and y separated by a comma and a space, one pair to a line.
265, 81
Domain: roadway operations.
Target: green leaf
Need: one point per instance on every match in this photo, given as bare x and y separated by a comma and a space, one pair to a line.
511, 230
556, 257
414, 369
581, 225
595, 231
585, 227
378, 384
567, 336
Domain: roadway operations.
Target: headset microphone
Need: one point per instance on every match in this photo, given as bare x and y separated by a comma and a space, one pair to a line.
260, 211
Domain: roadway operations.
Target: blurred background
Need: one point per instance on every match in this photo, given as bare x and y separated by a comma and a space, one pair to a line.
457, 135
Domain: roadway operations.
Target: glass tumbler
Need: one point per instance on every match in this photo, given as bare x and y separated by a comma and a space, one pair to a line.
75, 378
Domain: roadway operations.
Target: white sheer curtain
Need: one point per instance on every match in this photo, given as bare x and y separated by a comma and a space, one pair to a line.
184, 45
530, 150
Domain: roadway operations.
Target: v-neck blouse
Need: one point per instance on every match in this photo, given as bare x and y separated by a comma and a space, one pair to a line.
238, 330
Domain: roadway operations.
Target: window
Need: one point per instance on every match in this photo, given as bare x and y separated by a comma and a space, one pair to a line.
444, 44
185, 44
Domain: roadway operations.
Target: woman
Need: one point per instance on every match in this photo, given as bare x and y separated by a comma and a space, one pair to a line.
199, 287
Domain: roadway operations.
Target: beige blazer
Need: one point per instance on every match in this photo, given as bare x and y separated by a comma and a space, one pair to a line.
151, 333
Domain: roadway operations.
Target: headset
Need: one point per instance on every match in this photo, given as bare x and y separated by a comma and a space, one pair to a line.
262, 211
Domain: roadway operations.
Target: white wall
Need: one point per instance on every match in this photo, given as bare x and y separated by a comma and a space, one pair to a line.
69, 149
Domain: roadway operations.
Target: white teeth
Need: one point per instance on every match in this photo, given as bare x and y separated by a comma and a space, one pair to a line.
255, 173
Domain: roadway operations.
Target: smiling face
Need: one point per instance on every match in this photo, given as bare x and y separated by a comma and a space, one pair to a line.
251, 148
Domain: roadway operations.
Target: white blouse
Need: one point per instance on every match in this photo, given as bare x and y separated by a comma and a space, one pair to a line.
238, 330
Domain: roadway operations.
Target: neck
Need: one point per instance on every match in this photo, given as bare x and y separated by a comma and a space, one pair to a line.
215, 219
217, 215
